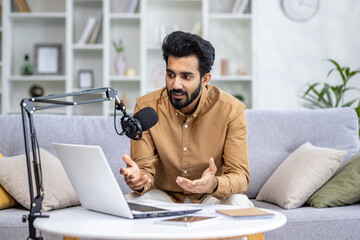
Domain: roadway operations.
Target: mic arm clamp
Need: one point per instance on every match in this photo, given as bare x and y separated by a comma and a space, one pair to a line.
28, 108
119, 105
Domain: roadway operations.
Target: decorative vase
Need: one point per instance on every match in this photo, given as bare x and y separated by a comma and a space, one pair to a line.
26, 67
120, 64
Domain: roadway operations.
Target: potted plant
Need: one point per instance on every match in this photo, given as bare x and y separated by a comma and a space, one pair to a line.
325, 95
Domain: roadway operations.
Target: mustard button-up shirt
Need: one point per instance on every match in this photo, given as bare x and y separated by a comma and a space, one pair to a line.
181, 145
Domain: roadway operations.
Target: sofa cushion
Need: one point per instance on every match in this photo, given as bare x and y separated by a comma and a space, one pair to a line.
274, 134
300, 175
6, 201
59, 192
316, 223
342, 189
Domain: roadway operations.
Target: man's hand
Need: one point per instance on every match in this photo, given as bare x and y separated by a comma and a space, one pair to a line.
132, 174
206, 184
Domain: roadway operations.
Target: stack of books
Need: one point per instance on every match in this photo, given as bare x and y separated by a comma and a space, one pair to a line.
131, 6
91, 31
20, 6
239, 6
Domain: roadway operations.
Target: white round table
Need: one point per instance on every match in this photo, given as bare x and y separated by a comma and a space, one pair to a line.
79, 222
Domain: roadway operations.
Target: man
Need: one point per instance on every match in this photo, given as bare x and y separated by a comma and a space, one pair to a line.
197, 152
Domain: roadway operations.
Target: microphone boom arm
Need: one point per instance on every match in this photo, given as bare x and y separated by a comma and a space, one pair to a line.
28, 108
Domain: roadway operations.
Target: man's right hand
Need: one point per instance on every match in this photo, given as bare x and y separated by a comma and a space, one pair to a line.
132, 174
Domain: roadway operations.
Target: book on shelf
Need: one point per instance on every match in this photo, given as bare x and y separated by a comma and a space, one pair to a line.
20, 6
88, 30
239, 6
131, 6
96, 31
247, 213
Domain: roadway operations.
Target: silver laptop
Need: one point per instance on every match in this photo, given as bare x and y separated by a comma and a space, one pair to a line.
97, 188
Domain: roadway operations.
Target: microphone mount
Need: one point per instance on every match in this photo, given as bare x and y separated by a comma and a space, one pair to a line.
131, 126
28, 108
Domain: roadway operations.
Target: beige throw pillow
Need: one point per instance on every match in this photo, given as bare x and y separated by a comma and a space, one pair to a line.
300, 175
59, 192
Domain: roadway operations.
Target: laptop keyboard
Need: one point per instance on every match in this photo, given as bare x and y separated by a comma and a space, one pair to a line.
143, 208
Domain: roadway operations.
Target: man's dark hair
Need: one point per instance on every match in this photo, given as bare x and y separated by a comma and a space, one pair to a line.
181, 44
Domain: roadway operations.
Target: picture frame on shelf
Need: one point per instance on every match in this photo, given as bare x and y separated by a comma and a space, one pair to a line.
85, 79
48, 59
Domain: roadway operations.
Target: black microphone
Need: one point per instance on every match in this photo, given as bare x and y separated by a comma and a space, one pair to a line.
143, 120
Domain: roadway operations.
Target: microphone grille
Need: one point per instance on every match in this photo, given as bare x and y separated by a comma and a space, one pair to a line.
147, 117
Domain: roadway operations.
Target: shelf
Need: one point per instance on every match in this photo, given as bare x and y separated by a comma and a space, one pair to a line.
88, 47
87, 1
125, 79
37, 15
124, 16
229, 16
166, 1
38, 78
231, 78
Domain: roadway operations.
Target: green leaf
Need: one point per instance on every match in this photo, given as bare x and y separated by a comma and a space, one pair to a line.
311, 88
321, 98
347, 72
350, 88
339, 69
348, 104
328, 94
315, 103
330, 71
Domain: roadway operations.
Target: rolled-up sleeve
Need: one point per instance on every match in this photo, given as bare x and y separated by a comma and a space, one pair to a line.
143, 153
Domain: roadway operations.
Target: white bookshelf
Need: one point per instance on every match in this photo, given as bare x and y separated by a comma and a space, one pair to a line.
2, 103
1, 62
62, 22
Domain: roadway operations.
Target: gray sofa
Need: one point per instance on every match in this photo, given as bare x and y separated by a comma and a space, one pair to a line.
272, 136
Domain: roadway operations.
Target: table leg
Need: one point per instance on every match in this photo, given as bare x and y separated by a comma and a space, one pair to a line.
258, 236
70, 238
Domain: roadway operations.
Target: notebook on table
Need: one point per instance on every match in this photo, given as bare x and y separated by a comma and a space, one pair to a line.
97, 188
247, 213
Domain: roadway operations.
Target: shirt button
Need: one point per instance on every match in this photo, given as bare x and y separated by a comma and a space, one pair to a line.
185, 149
185, 171
186, 126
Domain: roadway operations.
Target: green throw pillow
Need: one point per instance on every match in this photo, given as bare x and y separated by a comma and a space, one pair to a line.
342, 189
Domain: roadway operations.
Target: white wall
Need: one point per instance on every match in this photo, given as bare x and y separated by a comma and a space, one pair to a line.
289, 54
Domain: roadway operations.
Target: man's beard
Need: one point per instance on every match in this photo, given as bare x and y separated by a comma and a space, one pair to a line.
177, 102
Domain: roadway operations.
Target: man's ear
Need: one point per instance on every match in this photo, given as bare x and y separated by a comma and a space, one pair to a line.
205, 79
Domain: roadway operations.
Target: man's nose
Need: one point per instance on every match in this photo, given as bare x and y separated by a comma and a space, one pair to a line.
177, 83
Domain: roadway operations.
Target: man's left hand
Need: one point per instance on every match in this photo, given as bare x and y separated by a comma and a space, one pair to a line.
206, 184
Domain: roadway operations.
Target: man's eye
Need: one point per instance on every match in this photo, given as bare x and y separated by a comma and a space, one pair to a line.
170, 75
186, 77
